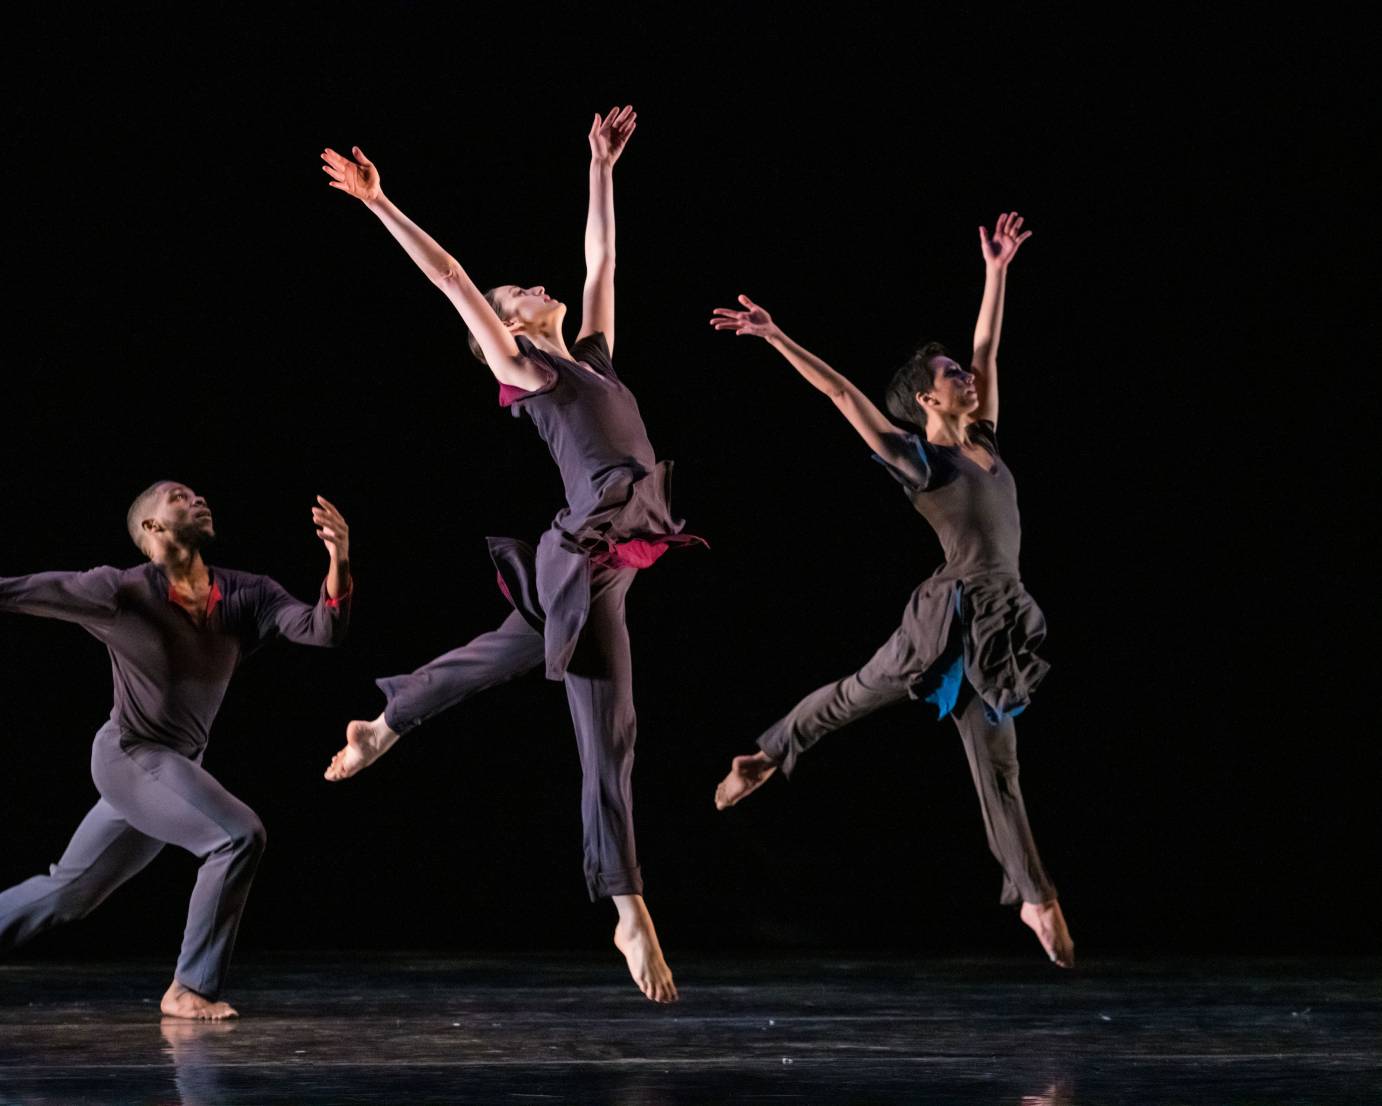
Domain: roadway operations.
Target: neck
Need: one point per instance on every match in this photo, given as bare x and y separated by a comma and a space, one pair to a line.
551, 341
182, 564
946, 429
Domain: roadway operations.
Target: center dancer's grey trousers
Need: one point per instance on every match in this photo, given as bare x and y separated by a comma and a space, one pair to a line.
599, 692
150, 796
990, 746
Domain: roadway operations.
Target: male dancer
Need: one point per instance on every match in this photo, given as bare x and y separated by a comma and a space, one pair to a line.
176, 630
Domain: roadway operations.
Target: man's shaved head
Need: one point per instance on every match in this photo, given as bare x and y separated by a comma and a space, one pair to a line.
140, 509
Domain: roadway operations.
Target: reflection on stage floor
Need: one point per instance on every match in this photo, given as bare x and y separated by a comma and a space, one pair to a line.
404, 1029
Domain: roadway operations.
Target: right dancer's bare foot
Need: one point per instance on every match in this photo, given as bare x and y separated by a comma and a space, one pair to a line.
635, 937
179, 1002
365, 743
746, 775
1048, 923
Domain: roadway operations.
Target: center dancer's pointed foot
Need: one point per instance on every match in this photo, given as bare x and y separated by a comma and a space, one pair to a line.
746, 775
636, 938
365, 743
180, 1002
1048, 923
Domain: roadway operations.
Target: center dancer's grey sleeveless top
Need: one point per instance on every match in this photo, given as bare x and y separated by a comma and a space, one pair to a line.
617, 511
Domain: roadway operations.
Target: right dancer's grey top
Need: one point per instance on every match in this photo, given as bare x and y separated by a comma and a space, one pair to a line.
617, 511
974, 513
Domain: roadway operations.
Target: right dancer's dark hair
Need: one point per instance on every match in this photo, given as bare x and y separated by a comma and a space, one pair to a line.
915, 376
491, 298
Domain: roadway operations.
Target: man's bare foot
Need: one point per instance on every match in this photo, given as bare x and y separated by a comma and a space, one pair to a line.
365, 743
1048, 923
746, 775
635, 937
179, 1002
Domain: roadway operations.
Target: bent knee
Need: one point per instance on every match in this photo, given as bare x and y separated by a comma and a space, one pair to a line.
250, 836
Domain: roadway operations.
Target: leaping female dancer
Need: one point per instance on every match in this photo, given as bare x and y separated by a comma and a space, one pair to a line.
969, 634
568, 596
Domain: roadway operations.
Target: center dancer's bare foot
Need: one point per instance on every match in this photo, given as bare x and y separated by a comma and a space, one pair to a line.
365, 743
179, 1002
746, 775
635, 937
1048, 923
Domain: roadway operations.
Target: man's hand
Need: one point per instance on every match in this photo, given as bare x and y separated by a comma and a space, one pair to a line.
1000, 249
754, 321
358, 178
332, 529
609, 136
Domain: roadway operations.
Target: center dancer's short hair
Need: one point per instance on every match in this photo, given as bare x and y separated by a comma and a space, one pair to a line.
915, 376
134, 517
491, 298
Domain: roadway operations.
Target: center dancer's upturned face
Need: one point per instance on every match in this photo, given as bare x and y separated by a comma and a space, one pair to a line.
184, 514
531, 306
952, 389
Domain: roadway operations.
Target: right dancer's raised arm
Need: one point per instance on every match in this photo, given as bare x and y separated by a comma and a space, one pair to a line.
360, 178
90, 598
884, 438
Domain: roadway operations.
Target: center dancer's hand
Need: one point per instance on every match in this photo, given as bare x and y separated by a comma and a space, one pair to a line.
609, 136
358, 178
754, 321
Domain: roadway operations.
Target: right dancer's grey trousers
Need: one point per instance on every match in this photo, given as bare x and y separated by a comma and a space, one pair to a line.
991, 748
599, 693
150, 795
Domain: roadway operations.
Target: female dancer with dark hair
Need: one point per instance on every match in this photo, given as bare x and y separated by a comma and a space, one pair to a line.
971, 622
568, 596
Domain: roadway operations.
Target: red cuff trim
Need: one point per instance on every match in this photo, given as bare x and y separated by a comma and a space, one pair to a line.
350, 591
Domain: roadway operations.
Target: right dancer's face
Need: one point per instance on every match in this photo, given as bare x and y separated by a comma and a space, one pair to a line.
953, 390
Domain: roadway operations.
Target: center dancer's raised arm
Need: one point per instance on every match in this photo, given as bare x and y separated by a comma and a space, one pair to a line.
608, 136
888, 441
360, 178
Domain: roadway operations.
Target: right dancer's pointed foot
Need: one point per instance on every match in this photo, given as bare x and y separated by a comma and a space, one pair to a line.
636, 938
365, 743
1048, 923
746, 775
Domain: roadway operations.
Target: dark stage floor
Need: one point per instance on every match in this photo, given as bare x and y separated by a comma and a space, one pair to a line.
398, 1029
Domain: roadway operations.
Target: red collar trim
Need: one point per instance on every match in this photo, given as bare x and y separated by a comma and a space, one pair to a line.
213, 597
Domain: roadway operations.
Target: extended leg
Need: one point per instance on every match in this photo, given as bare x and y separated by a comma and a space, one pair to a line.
170, 798
103, 853
991, 748
490, 659
885, 679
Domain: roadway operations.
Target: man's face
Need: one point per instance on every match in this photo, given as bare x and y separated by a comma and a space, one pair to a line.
183, 515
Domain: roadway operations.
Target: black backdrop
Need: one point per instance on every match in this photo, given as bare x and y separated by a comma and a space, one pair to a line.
188, 299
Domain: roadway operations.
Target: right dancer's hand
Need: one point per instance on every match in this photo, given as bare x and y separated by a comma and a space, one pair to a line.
754, 321
358, 177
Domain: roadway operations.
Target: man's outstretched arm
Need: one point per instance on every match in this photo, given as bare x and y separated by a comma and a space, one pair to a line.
90, 597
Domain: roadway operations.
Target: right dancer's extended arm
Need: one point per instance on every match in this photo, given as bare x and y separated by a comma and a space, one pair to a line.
872, 425
91, 597
360, 178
